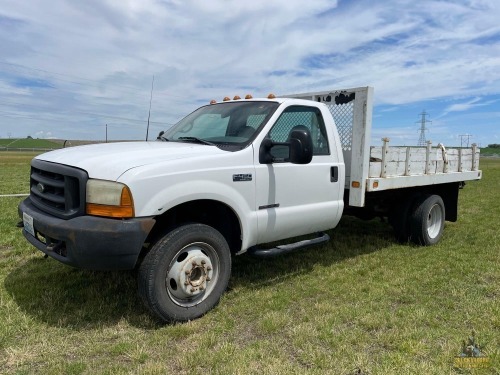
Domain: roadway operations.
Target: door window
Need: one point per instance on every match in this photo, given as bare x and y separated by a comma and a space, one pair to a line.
293, 118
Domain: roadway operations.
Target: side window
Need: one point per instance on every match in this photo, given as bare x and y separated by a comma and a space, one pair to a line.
255, 120
293, 118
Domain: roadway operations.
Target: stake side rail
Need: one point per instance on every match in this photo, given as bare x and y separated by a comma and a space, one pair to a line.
402, 167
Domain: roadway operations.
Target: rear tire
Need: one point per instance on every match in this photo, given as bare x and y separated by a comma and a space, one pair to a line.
400, 220
427, 221
185, 273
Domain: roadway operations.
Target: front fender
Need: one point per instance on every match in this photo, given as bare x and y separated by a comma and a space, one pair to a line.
240, 200
160, 187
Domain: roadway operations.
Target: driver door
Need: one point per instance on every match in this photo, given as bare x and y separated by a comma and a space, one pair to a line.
295, 199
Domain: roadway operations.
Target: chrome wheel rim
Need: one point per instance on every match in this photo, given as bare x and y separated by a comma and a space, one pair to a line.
434, 221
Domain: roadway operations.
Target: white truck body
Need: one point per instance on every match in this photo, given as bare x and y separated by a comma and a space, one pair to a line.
178, 209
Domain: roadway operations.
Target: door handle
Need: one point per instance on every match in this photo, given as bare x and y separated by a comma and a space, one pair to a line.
334, 174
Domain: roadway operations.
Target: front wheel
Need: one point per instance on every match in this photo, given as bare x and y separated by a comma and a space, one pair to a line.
185, 273
427, 221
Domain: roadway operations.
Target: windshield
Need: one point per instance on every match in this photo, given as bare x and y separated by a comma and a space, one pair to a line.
228, 125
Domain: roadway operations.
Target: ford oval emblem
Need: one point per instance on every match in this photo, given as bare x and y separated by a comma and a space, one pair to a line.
40, 187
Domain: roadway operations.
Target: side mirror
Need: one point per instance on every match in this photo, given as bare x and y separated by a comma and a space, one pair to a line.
265, 156
301, 147
160, 135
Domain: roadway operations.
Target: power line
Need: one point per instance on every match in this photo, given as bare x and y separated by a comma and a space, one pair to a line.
98, 115
43, 108
113, 91
90, 82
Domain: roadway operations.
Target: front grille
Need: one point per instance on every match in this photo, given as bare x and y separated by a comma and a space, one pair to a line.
58, 189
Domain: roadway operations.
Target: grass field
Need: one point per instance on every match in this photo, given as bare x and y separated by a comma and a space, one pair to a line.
362, 304
29, 143
490, 151
14, 172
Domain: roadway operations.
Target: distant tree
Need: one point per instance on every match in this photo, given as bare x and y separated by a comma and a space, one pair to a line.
494, 145
29, 137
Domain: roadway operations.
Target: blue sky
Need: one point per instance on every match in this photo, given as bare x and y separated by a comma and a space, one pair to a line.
68, 68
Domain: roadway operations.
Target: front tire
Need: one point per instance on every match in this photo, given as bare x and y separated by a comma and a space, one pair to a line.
185, 273
427, 221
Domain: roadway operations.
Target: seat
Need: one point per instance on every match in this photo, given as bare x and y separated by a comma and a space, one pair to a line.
246, 131
296, 127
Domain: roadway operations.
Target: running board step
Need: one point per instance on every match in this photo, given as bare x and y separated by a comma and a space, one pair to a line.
258, 252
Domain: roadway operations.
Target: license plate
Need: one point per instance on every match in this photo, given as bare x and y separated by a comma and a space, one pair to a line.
28, 224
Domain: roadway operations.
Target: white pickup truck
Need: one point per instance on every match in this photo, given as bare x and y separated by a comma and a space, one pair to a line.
228, 178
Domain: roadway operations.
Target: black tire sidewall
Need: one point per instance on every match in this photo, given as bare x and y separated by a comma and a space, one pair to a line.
419, 229
154, 269
400, 220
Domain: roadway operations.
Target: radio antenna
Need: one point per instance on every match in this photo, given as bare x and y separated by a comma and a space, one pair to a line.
150, 100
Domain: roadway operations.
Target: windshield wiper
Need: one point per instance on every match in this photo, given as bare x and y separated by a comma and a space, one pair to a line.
197, 140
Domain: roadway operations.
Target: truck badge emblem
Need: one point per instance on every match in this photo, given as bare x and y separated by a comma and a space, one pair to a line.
242, 177
40, 187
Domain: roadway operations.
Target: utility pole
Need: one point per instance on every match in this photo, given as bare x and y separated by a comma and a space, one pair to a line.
106, 133
421, 140
466, 136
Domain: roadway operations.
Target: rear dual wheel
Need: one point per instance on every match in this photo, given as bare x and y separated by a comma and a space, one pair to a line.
427, 220
400, 220
420, 220
185, 273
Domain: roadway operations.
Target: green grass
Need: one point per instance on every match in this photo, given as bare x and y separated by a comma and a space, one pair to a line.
14, 172
360, 302
486, 151
29, 143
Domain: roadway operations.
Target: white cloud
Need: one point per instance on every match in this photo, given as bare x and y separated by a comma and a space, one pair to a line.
463, 106
43, 135
100, 56
466, 106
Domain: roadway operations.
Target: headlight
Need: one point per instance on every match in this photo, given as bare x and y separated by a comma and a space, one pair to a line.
110, 199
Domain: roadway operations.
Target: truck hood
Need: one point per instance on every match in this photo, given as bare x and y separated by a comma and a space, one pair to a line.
110, 160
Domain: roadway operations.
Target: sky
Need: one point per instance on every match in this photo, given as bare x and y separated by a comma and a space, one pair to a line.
79, 70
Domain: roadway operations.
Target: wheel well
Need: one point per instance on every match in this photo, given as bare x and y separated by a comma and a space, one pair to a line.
213, 213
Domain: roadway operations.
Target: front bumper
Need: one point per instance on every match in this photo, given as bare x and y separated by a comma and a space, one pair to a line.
88, 242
